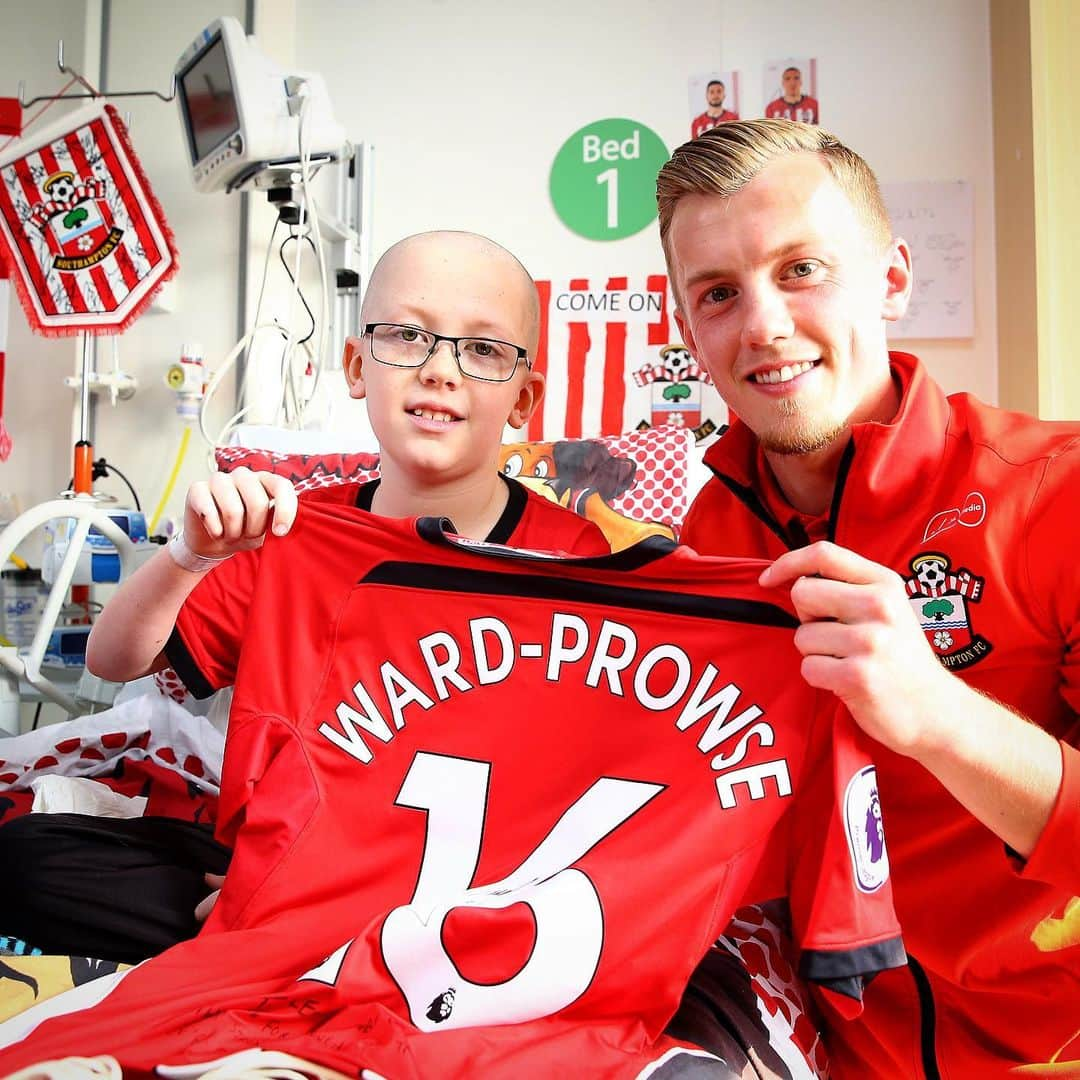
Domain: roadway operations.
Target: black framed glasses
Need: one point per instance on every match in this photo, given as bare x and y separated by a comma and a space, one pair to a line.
486, 359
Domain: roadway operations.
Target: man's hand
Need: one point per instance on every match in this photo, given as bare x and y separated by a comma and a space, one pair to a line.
233, 511
862, 640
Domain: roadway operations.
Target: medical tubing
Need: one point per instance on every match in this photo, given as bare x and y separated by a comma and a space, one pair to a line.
320, 253
103, 468
219, 375
290, 340
171, 482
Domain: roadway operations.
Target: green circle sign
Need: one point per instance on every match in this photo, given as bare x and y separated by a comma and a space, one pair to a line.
603, 179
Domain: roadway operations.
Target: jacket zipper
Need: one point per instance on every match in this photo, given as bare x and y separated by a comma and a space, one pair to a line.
927, 1008
748, 497
841, 479
927, 1020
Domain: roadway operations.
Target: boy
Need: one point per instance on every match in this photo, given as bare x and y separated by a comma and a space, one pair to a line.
439, 420
438, 405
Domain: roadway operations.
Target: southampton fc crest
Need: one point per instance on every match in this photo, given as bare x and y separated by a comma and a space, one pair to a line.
675, 385
76, 221
942, 599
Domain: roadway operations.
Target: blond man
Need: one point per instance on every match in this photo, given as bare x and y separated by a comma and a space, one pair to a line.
924, 542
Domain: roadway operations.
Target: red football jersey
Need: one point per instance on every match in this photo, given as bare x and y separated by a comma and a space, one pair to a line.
705, 122
489, 808
805, 110
528, 521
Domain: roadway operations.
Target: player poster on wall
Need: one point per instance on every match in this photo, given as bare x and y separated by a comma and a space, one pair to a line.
85, 239
615, 362
791, 90
714, 99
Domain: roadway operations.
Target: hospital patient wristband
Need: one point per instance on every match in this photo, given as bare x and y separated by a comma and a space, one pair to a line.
184, 557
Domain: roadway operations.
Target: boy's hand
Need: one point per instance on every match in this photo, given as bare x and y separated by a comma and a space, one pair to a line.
206, 905
233, 511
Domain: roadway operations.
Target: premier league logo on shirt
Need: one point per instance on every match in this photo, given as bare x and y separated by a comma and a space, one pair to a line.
865, 834
441, 1008
941, 597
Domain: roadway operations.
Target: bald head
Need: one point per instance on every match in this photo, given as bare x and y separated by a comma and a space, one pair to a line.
463, 282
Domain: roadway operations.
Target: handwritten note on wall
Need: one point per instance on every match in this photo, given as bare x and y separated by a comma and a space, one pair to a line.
937, 219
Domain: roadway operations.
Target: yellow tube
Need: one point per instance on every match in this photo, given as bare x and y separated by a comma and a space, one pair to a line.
21, 563
171, 483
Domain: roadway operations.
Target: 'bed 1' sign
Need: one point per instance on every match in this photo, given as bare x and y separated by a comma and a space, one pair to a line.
603, 179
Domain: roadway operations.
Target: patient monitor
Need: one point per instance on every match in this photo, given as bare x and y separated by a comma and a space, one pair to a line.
243, 115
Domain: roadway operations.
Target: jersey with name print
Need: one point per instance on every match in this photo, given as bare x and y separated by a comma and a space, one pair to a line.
489, 809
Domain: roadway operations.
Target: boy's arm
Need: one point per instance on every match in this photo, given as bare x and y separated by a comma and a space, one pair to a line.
230, 513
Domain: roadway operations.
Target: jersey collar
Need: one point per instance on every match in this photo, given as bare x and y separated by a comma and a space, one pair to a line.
883, 466
500, 532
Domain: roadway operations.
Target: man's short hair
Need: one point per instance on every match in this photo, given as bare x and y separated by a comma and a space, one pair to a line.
792, 68
715, 82
724, 160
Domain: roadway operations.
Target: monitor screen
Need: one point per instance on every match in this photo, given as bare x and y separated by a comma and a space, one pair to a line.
73, 644
209, 100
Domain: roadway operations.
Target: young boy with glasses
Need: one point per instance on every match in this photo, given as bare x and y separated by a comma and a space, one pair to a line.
438, 403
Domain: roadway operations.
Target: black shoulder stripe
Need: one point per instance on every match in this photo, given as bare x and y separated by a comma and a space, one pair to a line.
410, 575
846, 460
176, 652
749, 498
512, 513
365, 494
847, 971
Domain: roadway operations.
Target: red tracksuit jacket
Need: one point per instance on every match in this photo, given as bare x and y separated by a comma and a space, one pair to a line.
976, 508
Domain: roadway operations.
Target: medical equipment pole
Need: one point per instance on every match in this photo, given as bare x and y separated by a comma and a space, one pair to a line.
84, 451
83, 471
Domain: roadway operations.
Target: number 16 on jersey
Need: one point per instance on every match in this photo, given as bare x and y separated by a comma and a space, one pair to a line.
567, 912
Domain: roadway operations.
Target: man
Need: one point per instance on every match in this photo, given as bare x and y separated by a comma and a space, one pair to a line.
714, 113
793, 104
949, 619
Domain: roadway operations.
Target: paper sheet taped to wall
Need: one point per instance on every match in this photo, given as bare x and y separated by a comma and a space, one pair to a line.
937, 220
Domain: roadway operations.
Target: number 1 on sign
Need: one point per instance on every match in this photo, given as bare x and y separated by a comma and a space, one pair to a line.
611, 178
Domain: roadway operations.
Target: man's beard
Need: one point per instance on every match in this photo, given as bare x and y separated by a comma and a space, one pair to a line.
798, 433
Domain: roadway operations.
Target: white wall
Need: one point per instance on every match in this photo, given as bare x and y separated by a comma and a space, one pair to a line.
143, 435
37, 406
467, 103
